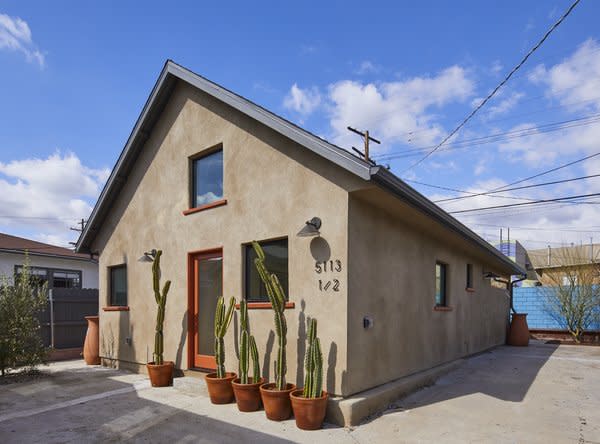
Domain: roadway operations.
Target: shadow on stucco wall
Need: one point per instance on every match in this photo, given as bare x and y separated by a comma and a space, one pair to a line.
267, 359
301, 345
182, 340
331, 363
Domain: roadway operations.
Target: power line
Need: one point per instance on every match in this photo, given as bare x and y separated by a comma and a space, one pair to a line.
499, 137
556, 199
561, 230
13, 216
500, 85
517, 188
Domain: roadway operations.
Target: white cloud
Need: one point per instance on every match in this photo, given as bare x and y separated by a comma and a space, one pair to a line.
575, 80
392, 110
45, 197
15, 35
505, 105
303, 101
367, 67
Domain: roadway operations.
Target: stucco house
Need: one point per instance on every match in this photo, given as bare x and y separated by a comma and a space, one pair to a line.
553, 266
59, 267
397, 284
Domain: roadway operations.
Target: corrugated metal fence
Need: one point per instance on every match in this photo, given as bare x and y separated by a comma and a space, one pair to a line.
532, 300
63, 323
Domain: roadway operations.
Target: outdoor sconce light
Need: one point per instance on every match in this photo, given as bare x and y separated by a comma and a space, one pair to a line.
311, 228
148, 256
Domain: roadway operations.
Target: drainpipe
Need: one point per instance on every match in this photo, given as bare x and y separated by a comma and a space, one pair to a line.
510, 285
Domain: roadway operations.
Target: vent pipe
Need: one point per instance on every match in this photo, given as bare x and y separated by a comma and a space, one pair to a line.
549, 254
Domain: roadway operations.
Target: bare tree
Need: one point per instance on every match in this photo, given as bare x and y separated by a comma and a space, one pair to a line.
573, 296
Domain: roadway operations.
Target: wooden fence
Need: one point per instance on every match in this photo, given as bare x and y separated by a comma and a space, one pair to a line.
63, 323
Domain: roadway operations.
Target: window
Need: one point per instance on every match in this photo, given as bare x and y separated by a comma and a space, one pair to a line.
276, 260
469, 275
207, 179
118, 285
56, 278
440, 284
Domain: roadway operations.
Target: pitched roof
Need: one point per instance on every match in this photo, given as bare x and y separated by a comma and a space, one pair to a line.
172, 73
561, 256
14, 244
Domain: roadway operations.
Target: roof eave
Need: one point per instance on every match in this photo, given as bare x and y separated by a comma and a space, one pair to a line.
395, 185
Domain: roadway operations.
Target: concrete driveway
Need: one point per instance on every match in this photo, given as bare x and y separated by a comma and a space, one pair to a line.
542, 393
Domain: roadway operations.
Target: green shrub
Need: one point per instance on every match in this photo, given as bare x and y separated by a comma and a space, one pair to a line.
21, 302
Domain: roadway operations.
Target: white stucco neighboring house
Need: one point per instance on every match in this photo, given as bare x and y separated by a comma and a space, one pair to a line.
60, 267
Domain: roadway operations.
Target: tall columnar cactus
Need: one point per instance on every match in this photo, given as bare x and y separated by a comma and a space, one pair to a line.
248, 348
313, 364
222, 321
161, 301
277, 298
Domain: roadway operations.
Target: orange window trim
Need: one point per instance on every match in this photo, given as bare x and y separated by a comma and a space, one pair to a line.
116, 308
264, 305
216, 203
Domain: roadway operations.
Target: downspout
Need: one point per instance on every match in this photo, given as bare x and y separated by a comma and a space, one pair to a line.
510, 285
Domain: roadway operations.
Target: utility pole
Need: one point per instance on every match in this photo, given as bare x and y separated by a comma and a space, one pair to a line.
366, 137
81, 223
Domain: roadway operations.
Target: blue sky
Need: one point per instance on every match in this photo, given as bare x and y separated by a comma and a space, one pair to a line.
75, 76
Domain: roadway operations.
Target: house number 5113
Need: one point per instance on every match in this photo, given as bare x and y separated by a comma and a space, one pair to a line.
331, 266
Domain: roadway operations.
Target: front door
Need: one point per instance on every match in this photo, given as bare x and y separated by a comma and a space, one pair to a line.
206, 270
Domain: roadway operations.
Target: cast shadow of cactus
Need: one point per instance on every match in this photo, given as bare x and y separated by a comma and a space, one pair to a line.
331, 363
267, 358
301, 345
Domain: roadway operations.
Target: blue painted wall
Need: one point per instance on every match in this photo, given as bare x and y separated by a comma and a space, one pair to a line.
532, 300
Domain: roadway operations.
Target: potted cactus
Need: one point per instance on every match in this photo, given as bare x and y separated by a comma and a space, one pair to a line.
310, 403
245, 388
275, 396
219, 382
160, 371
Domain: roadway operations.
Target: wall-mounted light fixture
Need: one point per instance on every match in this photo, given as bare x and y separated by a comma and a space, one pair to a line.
311, 228
148, 256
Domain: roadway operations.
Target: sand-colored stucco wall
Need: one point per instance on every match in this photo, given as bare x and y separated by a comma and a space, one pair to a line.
272, 186
392, 280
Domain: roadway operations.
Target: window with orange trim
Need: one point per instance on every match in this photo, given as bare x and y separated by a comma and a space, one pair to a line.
276, 260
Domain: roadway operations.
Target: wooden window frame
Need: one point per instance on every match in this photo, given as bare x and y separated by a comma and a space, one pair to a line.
50, 274
262, 305
110, 306
444, 286
469, 284
192, 206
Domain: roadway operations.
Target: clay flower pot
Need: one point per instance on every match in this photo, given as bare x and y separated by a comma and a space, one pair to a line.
161, 375
247, 396
91, 346
309, 412
519, 330
219, 389
277, 402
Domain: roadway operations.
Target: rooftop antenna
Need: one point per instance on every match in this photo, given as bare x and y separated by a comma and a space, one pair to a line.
366, 137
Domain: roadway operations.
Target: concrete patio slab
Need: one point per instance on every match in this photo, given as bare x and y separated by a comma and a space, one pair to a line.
542, 393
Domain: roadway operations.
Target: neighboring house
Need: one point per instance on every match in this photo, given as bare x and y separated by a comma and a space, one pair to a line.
516, 252
550, 263
60, 267
397, 284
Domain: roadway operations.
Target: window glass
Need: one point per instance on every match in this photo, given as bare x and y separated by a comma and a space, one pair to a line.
207, 179
118, 285
276, 261
440, 284
469, 276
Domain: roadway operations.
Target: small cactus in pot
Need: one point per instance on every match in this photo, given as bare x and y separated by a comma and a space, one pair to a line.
310, 403
219, 383
246, 389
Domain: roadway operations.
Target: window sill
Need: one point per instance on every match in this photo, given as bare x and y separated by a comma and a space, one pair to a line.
116, 308
264, 305
217, 203
470, 290
442, 308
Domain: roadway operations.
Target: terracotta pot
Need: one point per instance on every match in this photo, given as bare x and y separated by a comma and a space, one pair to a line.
219, 389
309, 412
247, 396
277, 402
161, 375
519, 330
91, 346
